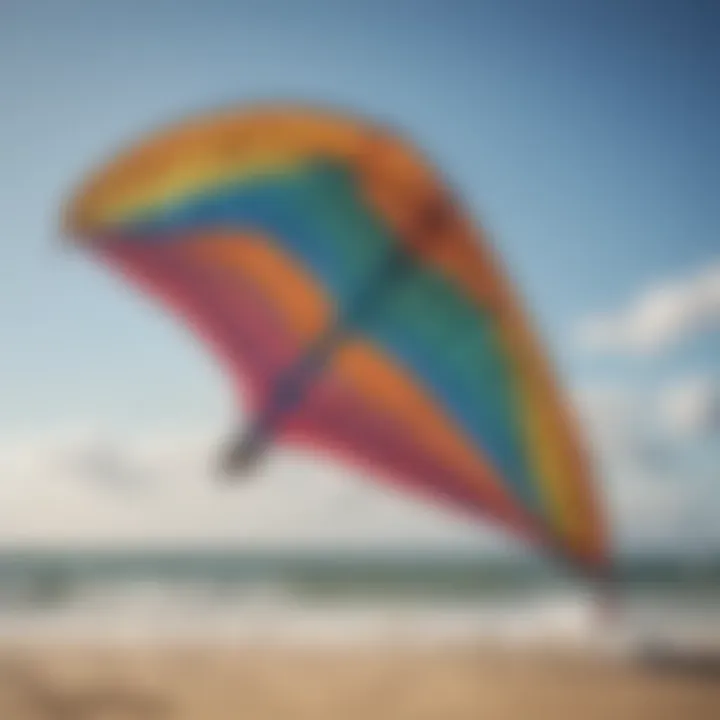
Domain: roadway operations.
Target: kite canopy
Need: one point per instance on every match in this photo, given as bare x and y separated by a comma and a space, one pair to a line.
355, 305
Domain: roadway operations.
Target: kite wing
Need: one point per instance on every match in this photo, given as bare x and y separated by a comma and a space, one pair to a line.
354, 304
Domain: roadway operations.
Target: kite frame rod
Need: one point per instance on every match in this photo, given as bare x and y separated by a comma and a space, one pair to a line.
246, 448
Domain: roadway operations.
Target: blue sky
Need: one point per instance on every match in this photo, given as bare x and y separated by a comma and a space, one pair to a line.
582, 134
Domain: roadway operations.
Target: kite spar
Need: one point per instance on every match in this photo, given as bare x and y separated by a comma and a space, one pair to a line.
290, 388
356, 307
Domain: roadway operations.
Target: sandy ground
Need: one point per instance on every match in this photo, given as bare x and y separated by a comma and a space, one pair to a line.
206, 683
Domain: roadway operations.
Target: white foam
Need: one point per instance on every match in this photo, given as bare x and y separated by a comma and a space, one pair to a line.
157, 612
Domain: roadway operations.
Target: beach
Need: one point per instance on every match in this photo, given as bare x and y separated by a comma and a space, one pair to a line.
220, 682
210, 637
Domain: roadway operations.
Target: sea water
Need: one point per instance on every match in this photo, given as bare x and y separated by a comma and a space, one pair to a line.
419, 596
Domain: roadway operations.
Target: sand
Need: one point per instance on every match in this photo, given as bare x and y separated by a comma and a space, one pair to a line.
222, 683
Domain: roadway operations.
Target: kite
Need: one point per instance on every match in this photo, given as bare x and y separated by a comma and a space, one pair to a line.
356, 306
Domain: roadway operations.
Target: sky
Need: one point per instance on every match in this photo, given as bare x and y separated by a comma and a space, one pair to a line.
582, 135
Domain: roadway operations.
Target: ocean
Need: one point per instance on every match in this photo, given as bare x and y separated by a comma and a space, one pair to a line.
227, 595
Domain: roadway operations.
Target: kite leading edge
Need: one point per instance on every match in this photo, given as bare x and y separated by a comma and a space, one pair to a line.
356, 307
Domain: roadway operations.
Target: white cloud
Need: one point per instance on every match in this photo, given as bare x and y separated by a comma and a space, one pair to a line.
101, 487
639, 439
659, 317
93, 487
618, 423
691, 406
679, 410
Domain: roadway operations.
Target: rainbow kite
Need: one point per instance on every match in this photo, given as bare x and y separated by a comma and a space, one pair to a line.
356, 307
